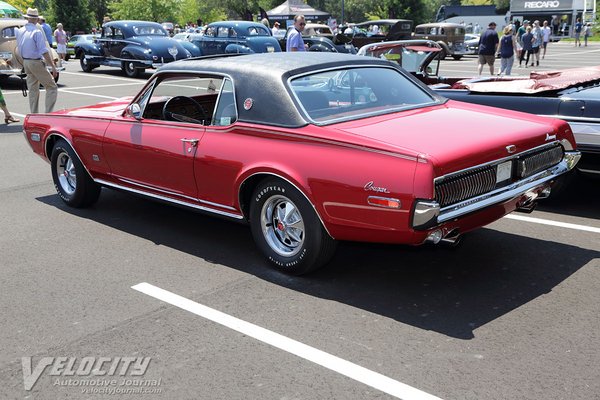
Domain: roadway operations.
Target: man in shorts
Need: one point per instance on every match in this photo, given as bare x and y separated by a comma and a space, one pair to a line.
488, 47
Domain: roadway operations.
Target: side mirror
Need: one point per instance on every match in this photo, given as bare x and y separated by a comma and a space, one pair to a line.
134, 110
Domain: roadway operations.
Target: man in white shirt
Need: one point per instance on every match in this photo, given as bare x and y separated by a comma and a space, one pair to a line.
31, 45
546, 31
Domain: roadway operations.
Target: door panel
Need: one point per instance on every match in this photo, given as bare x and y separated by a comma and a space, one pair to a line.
153, 153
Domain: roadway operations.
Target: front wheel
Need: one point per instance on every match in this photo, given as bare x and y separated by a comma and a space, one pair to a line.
287, 229
72, 182
84, 63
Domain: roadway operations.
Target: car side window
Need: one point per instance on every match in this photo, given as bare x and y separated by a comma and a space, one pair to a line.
107, 32
184, 98
9, 32
117, 34
210, 31
223, 32
225, 111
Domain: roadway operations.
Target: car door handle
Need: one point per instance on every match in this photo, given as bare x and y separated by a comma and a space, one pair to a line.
193, 142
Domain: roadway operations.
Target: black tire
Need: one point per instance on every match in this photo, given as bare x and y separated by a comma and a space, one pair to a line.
130, 70
84, 63
457, 57
67, 57
295, 250
72, 182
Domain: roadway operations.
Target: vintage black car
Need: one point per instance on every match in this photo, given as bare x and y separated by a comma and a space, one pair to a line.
227, 37
381, 30
132, 46
317, 42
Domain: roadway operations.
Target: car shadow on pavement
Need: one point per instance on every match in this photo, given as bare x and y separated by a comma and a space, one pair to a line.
449, 291
579, 198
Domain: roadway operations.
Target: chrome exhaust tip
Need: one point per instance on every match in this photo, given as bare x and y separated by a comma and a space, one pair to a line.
452, 239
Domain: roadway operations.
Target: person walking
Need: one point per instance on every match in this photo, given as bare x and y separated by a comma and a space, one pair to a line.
488, 46
31, 45
520, 32
578, 27
508, 47
537, 43
526, 41
587, 32
294, 41
546, 31
8, 118
47, 29
61, 41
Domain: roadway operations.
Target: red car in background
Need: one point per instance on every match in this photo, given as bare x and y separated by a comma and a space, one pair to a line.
308, 149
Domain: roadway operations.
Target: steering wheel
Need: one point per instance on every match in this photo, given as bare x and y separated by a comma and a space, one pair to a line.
198, 116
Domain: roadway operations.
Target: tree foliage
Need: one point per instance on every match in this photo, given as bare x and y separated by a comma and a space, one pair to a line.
75, 15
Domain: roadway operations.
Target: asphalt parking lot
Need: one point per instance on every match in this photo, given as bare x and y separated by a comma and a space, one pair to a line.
512, 313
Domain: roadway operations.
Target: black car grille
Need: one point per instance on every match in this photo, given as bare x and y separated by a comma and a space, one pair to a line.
478, 181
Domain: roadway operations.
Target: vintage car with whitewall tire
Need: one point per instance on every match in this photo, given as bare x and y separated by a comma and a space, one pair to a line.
11, 62
308, 149
133, 46
227, 37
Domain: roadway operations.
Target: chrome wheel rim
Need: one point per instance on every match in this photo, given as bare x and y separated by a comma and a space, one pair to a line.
65, 171
83, 60
130, 67
282, 226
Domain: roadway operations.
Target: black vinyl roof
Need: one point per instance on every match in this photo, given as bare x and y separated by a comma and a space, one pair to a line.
263, 78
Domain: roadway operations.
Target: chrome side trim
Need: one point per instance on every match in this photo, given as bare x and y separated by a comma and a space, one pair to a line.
497, 161
154, 188
169, 200
291, 183
507, 193
569, 118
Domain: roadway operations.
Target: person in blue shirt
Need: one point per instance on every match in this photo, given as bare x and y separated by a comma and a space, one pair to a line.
578, 26
47, 30
294, 41
488, 47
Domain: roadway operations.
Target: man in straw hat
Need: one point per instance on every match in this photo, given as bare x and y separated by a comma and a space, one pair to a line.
31, 44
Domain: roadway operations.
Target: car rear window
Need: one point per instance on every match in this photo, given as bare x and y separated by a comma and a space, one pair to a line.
149, 30
354, 93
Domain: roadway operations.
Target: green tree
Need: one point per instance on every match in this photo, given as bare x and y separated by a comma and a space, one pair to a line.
99, 9
145, 10
75, 15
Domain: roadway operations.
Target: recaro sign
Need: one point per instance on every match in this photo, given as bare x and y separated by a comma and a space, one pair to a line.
542, 4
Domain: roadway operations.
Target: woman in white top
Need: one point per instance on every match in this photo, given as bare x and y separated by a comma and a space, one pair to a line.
61, 41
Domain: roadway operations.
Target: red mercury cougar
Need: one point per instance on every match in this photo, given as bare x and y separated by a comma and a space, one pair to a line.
308, 149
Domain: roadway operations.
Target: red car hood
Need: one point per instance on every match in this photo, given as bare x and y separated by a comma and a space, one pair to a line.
108, 109
457, 135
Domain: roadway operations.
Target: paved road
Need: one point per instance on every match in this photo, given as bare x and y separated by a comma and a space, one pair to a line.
512, 313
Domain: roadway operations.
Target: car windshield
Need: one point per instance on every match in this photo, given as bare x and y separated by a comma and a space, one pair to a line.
149, 30
354, 93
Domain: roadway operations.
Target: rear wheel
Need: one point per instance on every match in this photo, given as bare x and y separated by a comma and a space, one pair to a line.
130, 70
287, 229
457, 57
72, 182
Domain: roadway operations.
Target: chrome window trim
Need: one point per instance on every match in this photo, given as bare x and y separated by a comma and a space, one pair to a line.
217, 103
168, 199
495, 162
435, 101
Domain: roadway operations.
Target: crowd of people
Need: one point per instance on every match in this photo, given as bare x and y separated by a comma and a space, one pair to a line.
526, 42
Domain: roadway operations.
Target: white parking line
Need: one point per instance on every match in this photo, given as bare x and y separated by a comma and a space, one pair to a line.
553, 223
100, 76
88, 94
346, 368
